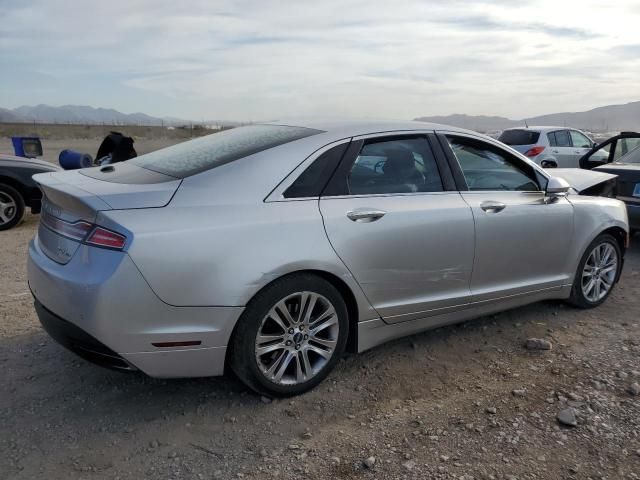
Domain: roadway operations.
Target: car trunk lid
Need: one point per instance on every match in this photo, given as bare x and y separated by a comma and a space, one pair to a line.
78, 196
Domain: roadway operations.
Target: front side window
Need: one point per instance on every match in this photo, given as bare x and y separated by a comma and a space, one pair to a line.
394, 166
486, 167
579, 140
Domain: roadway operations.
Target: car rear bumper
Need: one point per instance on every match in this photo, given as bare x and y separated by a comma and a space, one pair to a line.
99, 306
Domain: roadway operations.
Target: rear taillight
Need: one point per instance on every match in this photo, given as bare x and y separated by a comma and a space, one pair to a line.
101, 237
84, 232
534, 152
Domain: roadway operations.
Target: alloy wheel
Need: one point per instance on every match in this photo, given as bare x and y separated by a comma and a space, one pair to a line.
8, 208
599, 272
297, 338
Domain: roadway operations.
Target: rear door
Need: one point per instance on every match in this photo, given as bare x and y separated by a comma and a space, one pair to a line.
522, 240
561, 148
393, 216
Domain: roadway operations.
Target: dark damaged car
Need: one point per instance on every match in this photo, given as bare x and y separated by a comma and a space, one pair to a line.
622, 160
18, 191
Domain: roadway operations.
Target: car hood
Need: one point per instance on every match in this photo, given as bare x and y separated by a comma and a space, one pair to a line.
580, 179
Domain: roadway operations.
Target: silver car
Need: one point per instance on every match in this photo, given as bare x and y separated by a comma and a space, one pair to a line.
550, 147
272, 249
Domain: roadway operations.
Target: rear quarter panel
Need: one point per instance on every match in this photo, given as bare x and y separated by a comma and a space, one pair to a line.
223, 254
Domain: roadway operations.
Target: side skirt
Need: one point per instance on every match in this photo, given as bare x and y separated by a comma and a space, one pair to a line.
375, 332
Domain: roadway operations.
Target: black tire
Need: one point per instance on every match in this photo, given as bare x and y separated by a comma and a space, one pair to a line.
243, 357
578, 298
17, 214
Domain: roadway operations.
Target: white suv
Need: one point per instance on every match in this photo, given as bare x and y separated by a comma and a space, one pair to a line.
549, 147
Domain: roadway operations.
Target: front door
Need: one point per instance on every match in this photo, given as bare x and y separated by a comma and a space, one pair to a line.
407, 241
522, 238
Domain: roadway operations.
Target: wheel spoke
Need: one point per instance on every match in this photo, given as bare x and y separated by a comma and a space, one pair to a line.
305, 362
332, 320
323, 353
276, 314
262, 339
312, 303
260, 351
283, 366
330, 344
300, 376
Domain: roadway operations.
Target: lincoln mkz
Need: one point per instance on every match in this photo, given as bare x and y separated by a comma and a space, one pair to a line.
272, 249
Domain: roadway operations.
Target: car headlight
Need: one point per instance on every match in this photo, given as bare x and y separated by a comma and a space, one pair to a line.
636, 190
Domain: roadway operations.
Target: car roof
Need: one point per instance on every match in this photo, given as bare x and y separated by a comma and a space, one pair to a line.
351, 128
542, 128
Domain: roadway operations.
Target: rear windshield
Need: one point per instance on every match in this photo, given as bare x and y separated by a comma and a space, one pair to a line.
519, 137
208, 152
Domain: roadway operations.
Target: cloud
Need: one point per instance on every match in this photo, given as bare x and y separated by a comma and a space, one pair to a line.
250, 59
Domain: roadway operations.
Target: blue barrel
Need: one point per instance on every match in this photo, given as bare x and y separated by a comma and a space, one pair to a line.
72, 160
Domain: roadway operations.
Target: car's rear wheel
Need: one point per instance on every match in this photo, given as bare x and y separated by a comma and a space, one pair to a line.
597, 272
290, 336
11, 207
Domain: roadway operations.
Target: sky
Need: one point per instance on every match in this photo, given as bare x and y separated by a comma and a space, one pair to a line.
257, 60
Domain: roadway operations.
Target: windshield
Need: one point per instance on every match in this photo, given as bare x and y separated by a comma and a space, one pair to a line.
519, 137
205, 153
632, 157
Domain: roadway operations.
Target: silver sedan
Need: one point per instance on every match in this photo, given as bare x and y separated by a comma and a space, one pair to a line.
272, 249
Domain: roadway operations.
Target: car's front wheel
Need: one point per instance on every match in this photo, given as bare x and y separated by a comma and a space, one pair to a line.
290, 335
11, 207
597, 272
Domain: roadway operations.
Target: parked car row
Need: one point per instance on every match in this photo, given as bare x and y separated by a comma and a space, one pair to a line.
550, 147
271, 249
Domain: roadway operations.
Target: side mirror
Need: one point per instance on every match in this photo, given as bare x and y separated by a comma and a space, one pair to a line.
557, 186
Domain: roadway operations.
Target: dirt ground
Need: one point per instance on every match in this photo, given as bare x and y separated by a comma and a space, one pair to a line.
462, 402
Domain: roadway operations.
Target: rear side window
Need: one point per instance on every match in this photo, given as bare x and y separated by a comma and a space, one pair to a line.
394, 166
311, 182
562, 139
209, 152
519, 137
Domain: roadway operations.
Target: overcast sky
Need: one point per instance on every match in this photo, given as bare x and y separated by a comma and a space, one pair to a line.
261, 59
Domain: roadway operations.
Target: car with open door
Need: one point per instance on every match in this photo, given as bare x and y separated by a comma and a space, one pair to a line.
623, 160
549, 147
272, 249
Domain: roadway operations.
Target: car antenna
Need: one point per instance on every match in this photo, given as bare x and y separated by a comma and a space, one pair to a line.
526, 124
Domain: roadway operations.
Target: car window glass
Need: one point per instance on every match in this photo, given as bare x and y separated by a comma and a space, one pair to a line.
486, 167
562, 138
394, 166
552, 139
311, 182
579, 140
633, 155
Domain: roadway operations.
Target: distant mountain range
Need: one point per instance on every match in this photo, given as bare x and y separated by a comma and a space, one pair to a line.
611, 118
82, 114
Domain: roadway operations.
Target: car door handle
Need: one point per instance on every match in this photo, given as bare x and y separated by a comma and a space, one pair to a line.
554, 151
492, 207
365, 215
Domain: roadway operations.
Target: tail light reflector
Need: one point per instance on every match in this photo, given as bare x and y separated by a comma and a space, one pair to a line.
101, 237
75, 231
84, 232
534, 152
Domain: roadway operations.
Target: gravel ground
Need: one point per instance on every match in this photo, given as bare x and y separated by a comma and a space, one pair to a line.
462, 402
